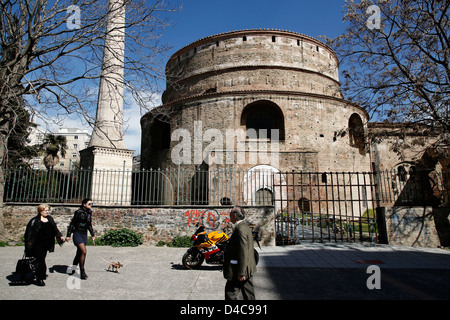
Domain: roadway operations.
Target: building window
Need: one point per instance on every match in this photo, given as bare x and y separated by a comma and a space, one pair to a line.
264, 197
356, 133
274, 38
402, 174
225, 201
304, 206
75, 137
263, 116
160, 134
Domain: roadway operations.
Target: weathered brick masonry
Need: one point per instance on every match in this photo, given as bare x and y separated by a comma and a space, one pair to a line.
261, 79
157, 223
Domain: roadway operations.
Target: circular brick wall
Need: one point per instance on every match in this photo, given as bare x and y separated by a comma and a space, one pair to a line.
252, 60
220, 82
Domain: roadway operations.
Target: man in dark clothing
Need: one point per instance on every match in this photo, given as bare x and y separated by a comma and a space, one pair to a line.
239, 262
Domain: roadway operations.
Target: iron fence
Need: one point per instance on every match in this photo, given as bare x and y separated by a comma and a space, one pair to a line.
326, 206
311, 206
292, 191
413, 188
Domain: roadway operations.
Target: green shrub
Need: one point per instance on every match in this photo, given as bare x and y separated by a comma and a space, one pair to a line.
98, 241
161, 243
121, 238
180, 242
369, 213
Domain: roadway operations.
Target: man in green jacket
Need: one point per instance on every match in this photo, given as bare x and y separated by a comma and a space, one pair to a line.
239, 262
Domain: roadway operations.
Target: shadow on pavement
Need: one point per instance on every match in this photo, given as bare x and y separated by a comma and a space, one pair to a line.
403, 275
179, 266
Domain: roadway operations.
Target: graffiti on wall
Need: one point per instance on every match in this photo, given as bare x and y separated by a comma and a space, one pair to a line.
411, 226
210, 218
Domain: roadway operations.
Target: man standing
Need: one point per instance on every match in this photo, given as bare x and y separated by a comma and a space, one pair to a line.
239, 262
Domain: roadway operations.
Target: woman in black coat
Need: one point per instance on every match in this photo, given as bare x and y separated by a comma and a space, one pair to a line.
80, 224
40, 237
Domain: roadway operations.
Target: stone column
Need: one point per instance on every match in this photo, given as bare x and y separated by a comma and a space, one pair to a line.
111, 162
108, 130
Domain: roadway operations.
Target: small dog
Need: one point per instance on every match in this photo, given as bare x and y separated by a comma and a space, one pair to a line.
115, 266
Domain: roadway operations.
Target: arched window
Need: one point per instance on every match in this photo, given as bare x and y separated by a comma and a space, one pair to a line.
200, 185
356, 132
263, 197
225, 201
263, 115
402, 174
303, 205
160, 134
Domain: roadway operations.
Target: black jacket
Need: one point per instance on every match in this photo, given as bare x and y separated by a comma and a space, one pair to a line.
32, 230
81, 222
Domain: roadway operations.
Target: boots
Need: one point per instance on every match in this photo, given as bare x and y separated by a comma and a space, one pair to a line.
83, 275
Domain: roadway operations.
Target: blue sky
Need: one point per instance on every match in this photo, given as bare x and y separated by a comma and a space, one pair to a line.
202, 18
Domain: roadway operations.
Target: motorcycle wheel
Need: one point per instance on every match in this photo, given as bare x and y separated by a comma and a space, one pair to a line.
192, 260
256, 256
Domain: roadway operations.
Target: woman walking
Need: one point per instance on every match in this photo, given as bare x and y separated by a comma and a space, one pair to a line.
79, 226
40, 237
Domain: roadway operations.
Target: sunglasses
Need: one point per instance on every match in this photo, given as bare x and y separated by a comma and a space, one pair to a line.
90, 203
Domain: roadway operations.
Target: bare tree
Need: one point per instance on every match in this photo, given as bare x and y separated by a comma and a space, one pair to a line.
51, 57
395, 62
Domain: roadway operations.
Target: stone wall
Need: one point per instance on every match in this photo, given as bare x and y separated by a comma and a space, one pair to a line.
252, 60
157, 223
312, 125
418, 226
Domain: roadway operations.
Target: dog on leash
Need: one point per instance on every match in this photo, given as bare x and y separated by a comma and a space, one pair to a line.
114, 266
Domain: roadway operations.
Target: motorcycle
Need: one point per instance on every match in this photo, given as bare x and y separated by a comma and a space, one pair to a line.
210, 247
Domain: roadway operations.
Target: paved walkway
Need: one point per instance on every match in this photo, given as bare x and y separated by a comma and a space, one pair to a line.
307, 271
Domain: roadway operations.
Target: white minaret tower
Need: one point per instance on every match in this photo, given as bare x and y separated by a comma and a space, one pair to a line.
106, 150
108, 130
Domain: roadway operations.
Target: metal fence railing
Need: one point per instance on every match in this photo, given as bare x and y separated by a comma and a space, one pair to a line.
225, 186
413, 188
326, 206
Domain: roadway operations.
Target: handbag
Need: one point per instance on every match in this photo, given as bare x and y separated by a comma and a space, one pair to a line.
26, 264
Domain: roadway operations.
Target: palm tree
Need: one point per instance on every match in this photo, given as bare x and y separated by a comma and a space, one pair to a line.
53, 147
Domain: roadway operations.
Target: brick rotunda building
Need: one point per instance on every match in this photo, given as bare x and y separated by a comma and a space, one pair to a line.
282, 84
257, 79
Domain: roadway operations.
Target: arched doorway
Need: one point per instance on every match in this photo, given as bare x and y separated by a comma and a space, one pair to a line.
263, 116
264, 184
356, 133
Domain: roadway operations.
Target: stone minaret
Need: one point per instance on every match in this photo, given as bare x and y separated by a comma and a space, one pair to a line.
106, 151
108, 130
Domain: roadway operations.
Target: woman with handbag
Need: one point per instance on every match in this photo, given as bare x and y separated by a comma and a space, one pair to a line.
40, 237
